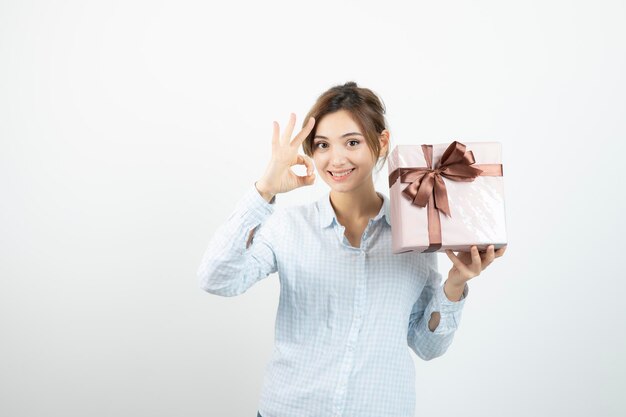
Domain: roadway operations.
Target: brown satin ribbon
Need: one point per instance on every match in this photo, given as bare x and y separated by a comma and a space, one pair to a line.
427, 188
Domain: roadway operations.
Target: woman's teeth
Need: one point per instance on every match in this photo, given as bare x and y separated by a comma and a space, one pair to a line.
341, 174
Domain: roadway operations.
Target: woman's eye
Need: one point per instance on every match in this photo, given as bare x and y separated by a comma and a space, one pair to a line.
319, 144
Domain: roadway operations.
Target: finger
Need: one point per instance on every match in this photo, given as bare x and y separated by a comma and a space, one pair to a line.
489, 256
477, 263
309, 165
306, 180
306, 161
462, 267
289, 129
302, 135
500, 251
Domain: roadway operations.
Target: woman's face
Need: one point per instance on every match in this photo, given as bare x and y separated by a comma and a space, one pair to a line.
339, 147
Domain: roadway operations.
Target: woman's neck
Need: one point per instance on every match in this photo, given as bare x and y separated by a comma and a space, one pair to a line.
357, 205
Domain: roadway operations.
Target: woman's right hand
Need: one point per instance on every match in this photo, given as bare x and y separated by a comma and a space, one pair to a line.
278, 176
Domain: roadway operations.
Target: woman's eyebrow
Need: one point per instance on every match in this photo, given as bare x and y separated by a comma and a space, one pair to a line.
342, 136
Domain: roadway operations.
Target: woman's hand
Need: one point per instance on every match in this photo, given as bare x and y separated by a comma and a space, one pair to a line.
278, 176
467, 265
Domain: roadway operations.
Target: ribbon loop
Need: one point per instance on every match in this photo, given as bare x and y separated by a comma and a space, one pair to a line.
424, 182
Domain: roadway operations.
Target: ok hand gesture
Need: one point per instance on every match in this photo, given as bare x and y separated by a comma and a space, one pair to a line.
278, 176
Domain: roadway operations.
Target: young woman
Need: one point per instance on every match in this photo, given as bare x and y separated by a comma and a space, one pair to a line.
348, 307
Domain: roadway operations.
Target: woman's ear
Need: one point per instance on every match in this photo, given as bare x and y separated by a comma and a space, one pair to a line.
384, 142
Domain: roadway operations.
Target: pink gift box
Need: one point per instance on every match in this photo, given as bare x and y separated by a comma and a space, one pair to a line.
446, 196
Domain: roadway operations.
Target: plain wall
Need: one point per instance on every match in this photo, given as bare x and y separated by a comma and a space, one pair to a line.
129, 129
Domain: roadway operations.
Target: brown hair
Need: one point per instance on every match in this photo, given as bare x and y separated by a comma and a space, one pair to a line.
365, 107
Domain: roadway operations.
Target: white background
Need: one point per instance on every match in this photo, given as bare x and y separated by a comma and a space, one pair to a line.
129, 129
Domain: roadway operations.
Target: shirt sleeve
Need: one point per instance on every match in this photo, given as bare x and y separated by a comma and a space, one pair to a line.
231, 264
426, 344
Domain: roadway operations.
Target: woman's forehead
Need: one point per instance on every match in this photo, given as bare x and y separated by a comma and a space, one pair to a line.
337, 125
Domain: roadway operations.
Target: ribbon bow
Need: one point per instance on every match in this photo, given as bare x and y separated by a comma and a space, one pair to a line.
455, 164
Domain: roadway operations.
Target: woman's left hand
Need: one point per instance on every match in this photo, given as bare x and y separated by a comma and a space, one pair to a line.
467, 265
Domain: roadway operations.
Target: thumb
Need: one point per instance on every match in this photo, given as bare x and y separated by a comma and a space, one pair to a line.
306, 179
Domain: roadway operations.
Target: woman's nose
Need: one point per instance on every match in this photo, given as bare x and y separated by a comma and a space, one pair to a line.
338, 158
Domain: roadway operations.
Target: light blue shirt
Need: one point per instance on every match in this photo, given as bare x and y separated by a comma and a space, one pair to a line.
345, 316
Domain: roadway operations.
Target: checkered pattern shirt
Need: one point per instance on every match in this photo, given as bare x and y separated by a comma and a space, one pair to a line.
345, 316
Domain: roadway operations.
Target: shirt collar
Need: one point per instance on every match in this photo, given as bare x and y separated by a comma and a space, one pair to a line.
327, 213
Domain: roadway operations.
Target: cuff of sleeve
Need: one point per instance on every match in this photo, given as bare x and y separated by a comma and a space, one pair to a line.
447, 305
253, 207
450, 311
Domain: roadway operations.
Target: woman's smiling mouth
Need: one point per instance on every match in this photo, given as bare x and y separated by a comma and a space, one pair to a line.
341, 175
